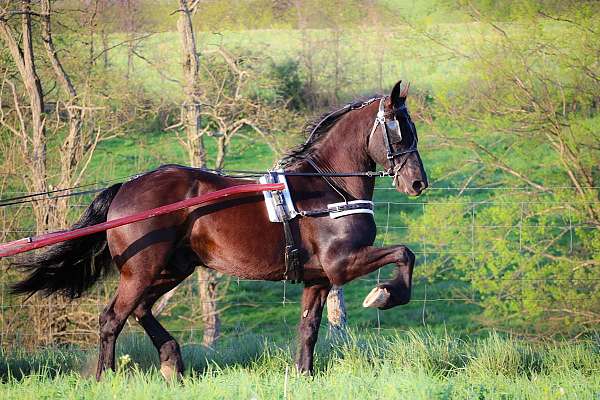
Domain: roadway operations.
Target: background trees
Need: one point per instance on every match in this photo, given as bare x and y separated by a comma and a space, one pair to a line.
525, 117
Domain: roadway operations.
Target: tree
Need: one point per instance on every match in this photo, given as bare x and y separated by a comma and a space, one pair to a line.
526, 117
236, 101
74, 145
194, 144
60, 121
240, 101
27, 123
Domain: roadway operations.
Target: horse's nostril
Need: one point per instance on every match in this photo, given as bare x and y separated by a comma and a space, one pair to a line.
418, 186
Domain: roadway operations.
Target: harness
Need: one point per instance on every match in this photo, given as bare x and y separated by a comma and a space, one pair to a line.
280, 208
280, 205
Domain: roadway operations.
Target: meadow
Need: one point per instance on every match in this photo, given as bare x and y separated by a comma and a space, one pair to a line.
418, 365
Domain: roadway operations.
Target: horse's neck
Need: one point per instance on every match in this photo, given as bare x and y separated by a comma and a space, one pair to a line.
341, 154
357, 187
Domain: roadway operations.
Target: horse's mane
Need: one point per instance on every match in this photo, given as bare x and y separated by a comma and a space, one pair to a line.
317, 129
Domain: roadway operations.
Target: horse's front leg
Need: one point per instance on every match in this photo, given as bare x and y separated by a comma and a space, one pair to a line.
314, 298
358, 262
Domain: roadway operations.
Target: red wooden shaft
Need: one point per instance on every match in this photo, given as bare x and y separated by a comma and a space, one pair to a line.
27, 244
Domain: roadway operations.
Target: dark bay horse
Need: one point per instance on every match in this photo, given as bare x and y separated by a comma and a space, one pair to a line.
235, 236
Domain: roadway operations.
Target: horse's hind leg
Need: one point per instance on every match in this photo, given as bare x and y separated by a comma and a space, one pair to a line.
171, 363
113, 318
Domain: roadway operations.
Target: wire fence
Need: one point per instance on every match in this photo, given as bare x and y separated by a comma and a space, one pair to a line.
442, 230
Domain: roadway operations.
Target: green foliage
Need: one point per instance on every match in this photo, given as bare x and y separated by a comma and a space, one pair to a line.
526, 105
530, 269
291, 84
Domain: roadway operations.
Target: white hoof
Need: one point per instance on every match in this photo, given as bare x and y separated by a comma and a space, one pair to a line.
377, 298
169, 372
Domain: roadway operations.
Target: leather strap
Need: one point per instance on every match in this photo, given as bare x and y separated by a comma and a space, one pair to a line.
293, 263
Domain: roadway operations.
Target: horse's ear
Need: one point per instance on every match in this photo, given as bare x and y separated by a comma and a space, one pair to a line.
398, 96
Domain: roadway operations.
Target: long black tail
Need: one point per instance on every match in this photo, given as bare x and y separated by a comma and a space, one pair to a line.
73, 266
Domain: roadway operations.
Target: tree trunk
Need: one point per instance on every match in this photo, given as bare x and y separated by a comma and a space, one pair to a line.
336, 313
104, 39
130, 27
307, 55
222, 145
33, 128
191, 105
71, 150
42, 313
207, 279
208, 287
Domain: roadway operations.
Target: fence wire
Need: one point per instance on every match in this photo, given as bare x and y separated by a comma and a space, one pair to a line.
244, 304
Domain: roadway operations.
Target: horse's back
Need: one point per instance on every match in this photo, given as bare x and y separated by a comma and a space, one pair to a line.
233, 236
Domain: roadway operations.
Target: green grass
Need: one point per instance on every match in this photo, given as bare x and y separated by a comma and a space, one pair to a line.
416, 365
257, 307
405, 56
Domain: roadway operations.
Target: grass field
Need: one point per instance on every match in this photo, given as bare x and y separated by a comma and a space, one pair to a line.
416, 365
424, 350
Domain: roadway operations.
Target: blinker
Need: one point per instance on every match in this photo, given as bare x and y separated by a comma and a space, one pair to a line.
393, 130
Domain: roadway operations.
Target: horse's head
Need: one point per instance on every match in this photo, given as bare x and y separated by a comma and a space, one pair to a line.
393, 143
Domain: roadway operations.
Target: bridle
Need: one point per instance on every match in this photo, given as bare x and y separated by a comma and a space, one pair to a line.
392, 134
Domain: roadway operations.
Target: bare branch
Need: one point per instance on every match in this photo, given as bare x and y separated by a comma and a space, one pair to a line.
123, 42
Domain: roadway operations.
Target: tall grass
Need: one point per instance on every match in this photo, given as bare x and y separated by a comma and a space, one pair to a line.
413, 364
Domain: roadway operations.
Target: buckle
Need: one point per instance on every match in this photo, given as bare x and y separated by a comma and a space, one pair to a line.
293, 272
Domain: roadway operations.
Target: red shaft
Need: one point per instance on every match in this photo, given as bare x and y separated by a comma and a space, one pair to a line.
27, 244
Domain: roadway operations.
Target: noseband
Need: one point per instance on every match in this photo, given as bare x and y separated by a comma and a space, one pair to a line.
391, 132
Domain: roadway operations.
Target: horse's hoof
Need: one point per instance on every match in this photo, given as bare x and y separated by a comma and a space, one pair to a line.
169, 372
377, 298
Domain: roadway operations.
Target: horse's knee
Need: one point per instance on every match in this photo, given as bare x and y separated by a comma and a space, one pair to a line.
108, 328
104, 323
406, 256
